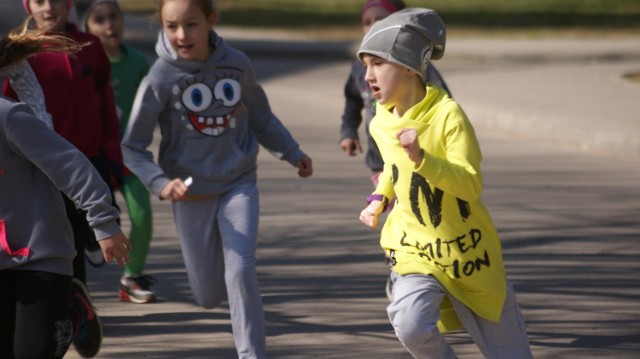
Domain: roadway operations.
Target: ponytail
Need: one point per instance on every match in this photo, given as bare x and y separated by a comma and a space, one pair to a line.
23, 42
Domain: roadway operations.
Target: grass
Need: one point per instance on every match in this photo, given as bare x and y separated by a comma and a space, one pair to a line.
487, 15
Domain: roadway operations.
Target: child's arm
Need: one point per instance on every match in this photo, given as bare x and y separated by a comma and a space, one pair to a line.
268, 129
351, 115
378, 201
408, 138
23, 80
376, 205
115, 247
138, 137
457, 171
72, 173
305, 167
176, 189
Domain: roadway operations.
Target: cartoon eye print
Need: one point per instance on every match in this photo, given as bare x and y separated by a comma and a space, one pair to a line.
197, 97
227, 90
208, 102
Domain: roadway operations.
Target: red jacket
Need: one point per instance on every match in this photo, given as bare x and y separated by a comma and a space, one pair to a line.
78, 95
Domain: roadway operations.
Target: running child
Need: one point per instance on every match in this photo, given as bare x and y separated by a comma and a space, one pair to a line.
104, 19
38, 316
446, 256
213, 115
358, 97
78, 95
358, 94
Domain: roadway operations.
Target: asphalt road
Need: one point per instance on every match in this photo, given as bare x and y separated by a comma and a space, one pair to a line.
568, 219
558, 128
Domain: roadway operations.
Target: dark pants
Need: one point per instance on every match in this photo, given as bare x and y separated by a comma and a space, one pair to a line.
82, 232
34, 314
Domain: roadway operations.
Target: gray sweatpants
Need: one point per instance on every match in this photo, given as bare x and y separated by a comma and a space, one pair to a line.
218, 238
415, 310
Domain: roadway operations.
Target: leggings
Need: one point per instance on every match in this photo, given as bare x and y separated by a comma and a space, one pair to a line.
34, 311
82, 232
138, 203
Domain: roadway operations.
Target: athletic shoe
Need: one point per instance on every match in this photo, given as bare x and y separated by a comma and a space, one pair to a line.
93, 252
87, 334
137, 289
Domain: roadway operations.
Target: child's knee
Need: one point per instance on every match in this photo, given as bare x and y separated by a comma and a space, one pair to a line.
211, 295
423, 340
210, 301
412, 332
410, 328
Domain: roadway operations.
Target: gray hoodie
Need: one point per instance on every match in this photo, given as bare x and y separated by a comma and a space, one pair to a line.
35, 165
211, 114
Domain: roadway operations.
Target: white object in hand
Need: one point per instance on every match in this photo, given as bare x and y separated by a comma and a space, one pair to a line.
189, 181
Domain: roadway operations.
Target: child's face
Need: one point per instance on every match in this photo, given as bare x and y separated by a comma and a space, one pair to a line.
371, 16
50, 15
388, 81
187, 29
105, 21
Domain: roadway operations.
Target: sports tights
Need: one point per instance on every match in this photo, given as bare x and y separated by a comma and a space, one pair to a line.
34, 310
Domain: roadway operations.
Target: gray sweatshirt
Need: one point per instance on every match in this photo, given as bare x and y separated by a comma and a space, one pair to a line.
212, 116
35, 165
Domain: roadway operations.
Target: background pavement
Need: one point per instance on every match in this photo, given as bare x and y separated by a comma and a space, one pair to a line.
572, 91
558, 126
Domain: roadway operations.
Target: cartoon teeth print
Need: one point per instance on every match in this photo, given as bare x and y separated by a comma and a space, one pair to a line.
206, 111
211, 126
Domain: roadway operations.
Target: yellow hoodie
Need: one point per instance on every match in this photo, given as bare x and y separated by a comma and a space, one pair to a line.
439, 226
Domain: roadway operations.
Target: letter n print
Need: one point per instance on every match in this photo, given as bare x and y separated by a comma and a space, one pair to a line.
433, 199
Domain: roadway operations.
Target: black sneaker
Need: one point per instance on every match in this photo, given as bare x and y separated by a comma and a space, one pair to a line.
137, 289
87, 334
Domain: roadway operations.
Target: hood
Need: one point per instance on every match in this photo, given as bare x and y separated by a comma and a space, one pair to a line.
166, 52
426, 109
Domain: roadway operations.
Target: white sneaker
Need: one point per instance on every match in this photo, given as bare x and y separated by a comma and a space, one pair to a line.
137, 289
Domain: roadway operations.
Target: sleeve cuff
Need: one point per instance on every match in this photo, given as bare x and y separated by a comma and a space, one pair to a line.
378, 197
106, 229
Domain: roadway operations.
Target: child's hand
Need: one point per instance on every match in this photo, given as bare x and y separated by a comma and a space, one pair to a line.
409, 141
351, 146
369, 215
116, 246
305, 167
174, 190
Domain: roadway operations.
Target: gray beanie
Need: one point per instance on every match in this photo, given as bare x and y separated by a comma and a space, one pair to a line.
87, 12
409, 38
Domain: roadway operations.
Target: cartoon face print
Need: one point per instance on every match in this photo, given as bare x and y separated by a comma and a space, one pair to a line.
208, 102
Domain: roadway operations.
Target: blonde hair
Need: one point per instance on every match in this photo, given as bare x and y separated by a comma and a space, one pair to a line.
23, 42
